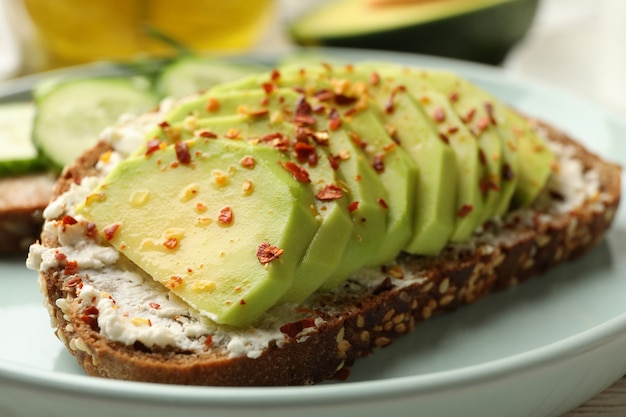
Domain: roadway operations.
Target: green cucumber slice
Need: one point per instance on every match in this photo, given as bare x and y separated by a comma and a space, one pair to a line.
194, 74
70, 115
19, 155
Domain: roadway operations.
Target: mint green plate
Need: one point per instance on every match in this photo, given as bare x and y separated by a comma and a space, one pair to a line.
536, 350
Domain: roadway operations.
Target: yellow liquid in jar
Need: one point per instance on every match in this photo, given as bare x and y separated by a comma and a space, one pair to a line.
77, 31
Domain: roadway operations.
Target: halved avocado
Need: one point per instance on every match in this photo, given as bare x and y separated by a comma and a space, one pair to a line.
478, 30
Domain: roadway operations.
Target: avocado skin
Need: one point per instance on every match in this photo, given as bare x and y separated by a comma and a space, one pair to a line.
485, 35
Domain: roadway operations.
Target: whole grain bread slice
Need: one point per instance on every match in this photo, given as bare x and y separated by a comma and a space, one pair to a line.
329, 332
22, 201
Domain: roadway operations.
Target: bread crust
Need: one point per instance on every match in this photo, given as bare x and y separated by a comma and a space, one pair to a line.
22, 201
364, 321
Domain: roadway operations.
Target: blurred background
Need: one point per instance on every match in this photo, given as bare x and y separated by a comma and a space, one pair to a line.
575, 44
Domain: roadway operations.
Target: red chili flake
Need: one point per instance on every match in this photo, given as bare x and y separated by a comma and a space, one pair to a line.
155, 306
173, 282
247, 162
353, 206
483, 185
374, 78
482, 157
383, 203
303, 112
379, 163
164, 124
267, 253
268, 87
60, 256
329, 192
207, 134
306, 153
68, 221
182, 152
323, 95
356, 139
439, 115
489, 109
389, 106
74, 281
265, 101
91, 230
71, 267
152, 146
344, 100
334, 120
275, 75
209, 341
171, 243
242, 302
351, 111
454, 97
482, 124
292, 330
465, 210
334, 161
452, 130
469, 116
444, 138
109, 232
299, 173
507, 172
91, 311
225, 216
277, 140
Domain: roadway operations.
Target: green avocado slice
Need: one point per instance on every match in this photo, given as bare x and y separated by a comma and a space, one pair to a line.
426, 196
469, 204
223, 235
467, 97
326, 249
479, 118
365, 194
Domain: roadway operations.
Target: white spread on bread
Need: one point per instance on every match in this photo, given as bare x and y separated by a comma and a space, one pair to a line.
133, 308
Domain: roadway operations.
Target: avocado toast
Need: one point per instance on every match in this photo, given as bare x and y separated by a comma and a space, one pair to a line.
127, 308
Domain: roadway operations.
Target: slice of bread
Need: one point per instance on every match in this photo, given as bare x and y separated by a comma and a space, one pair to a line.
22, 200
120, 324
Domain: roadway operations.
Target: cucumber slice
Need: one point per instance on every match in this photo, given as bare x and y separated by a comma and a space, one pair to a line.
193, 74
70, 115
19, 155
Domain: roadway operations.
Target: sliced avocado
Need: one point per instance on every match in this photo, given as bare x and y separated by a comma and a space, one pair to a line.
469, 205
327, 247
365, 194
480, 30
467, 95
538, 160
479, 118
397, 173
223, 235
395, 169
